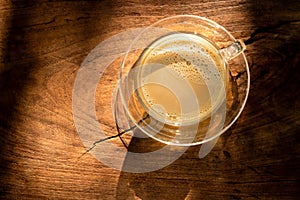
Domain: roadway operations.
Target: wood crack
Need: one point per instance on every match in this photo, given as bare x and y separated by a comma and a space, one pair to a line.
120, 133
268, 29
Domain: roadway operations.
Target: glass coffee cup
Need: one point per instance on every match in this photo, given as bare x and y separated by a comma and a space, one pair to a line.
183, 81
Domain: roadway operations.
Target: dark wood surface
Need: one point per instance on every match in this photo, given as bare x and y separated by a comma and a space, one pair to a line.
43, 44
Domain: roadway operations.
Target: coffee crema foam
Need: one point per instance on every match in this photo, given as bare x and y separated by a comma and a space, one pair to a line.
181, 78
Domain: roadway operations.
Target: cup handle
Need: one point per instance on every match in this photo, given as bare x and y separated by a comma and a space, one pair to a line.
233, 50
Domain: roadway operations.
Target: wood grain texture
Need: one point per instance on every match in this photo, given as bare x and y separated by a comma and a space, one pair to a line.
43, 44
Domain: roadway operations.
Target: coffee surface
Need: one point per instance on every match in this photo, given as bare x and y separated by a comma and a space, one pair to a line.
181, 78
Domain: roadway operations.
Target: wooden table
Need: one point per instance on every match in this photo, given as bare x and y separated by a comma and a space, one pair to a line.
43, 44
